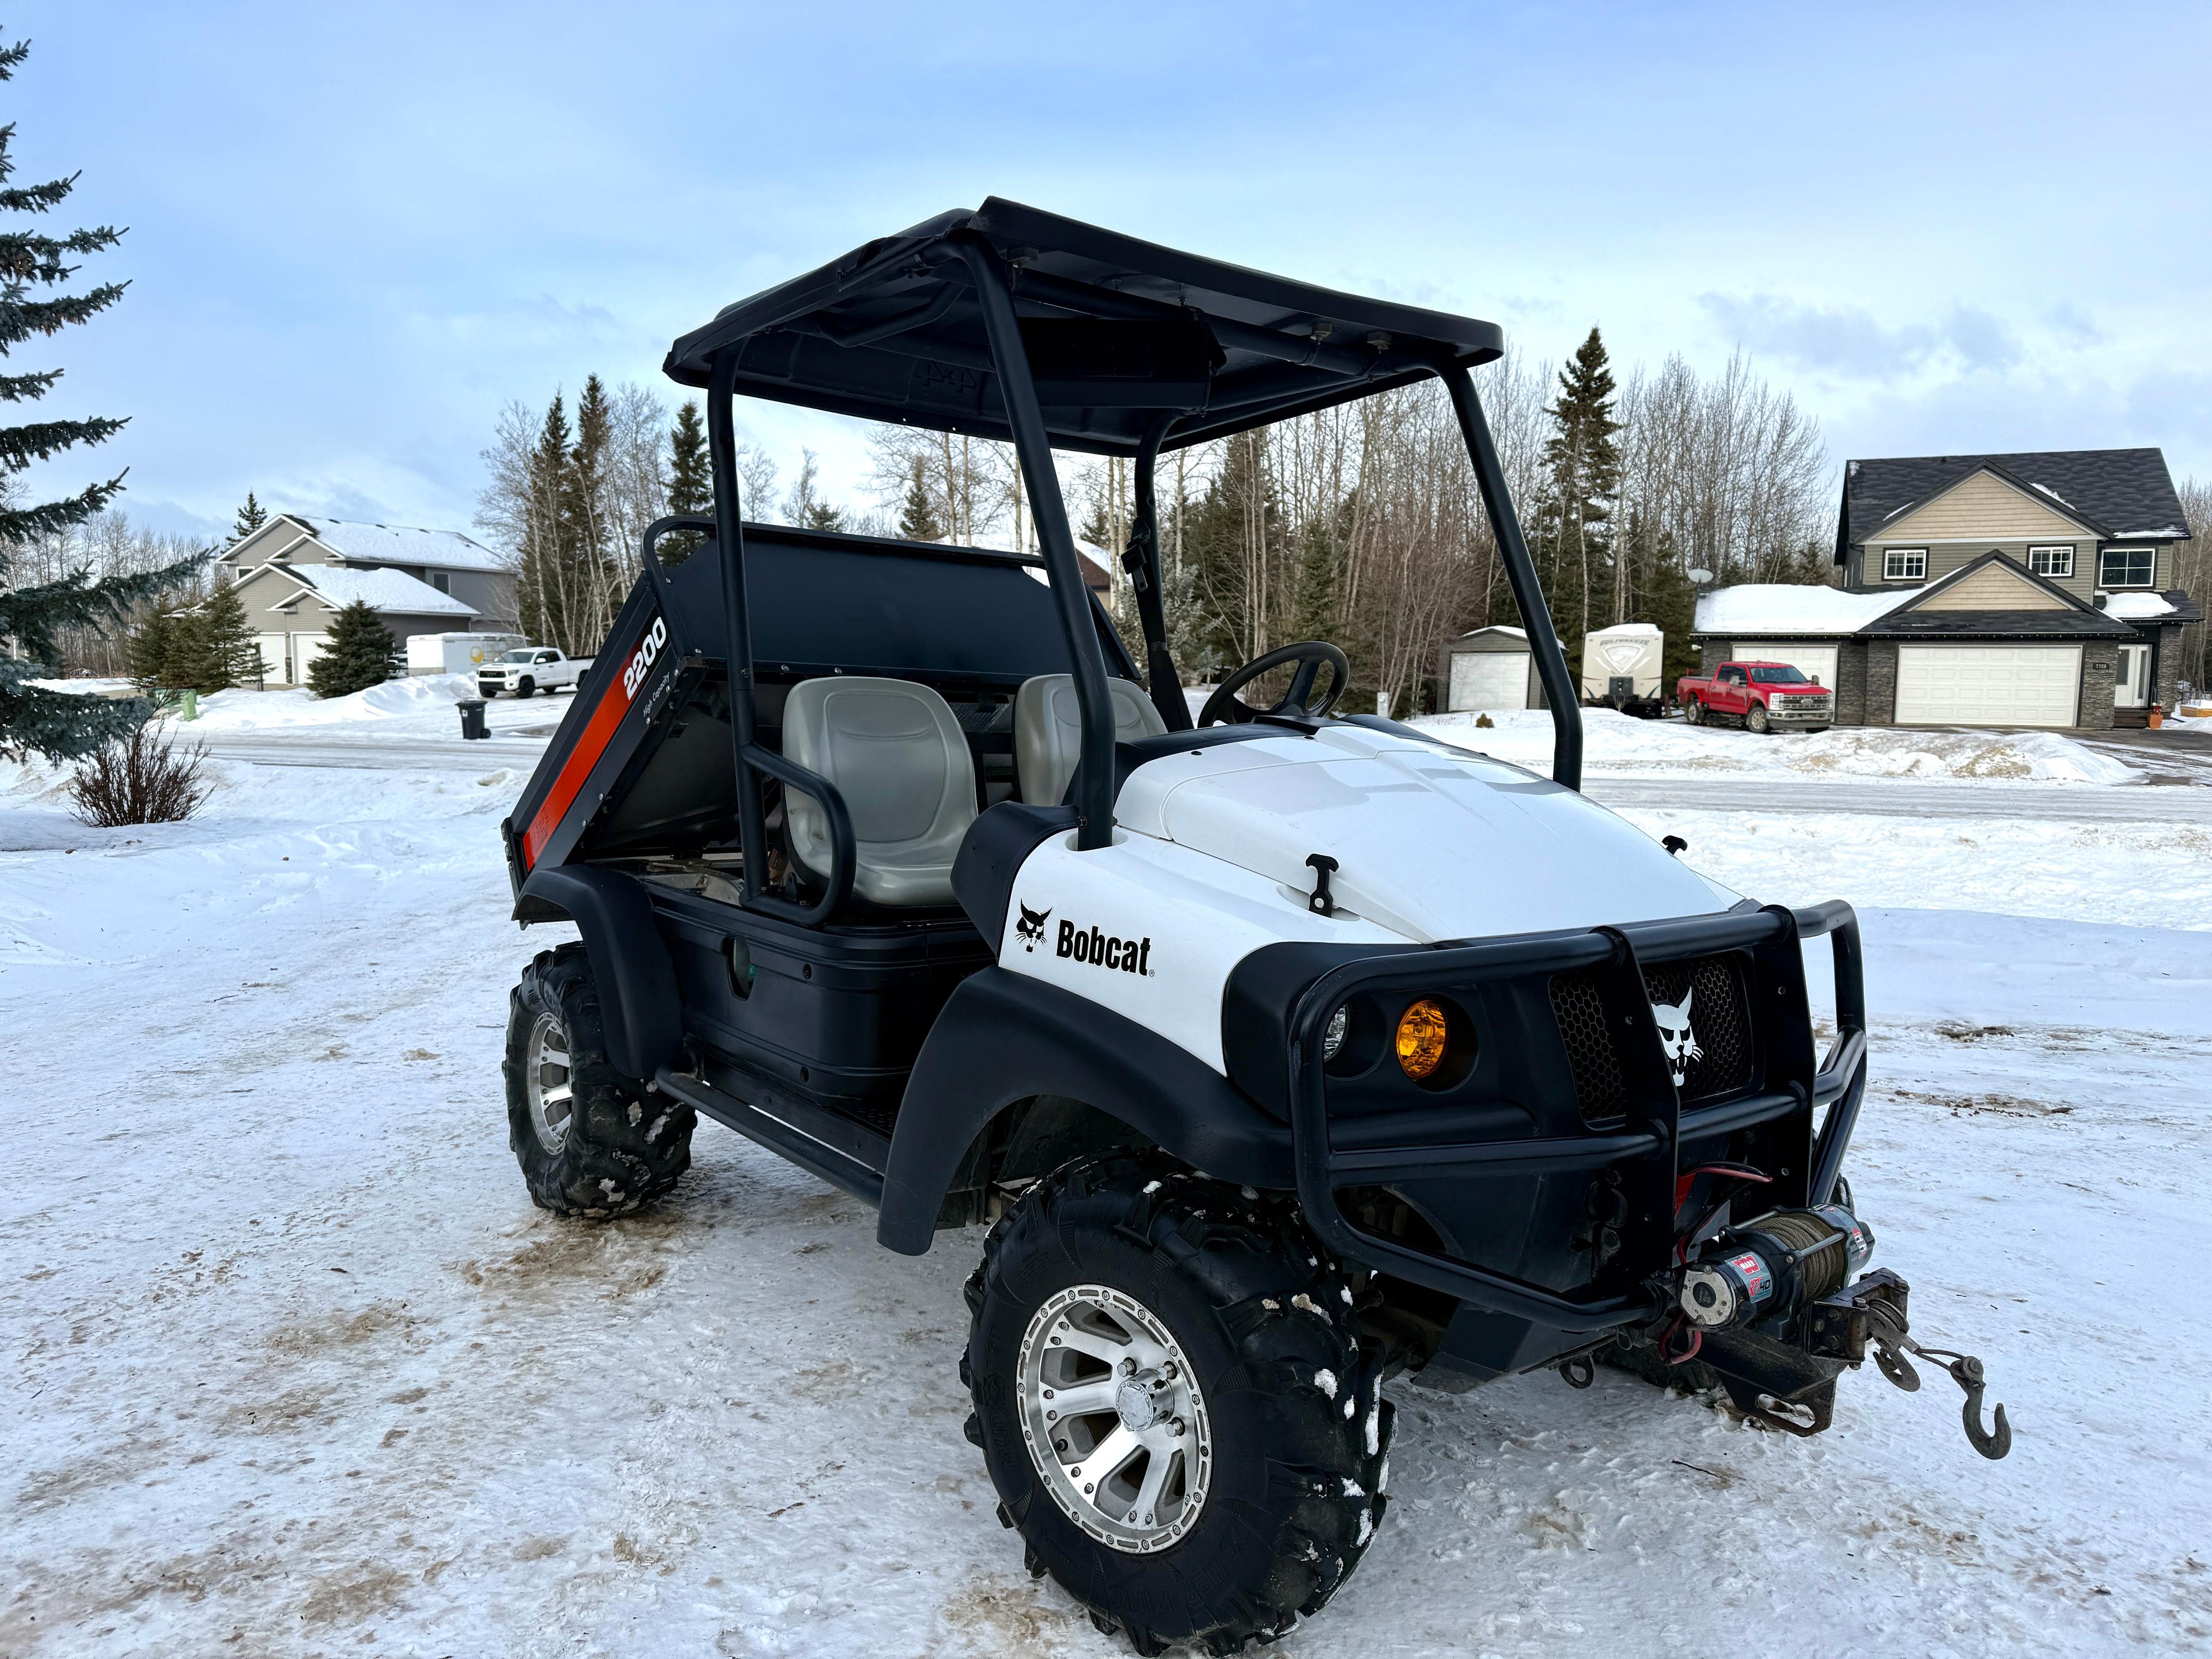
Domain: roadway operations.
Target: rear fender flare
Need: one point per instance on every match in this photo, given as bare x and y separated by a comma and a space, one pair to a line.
630, 964
1003, 1038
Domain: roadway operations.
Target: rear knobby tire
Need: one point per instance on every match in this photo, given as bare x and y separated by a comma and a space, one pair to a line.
1298, 1434
612, 1147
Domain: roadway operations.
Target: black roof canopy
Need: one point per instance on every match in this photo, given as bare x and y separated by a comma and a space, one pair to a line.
1118, 332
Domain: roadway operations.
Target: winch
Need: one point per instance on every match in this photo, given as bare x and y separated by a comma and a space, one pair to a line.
1774, 1265
1773, 1305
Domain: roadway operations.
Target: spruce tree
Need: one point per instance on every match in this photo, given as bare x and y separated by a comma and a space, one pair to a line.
358, 652
57, 725
917, 513
223, 652
251, 518
543, 589
149, 646
1582, 466
691, 482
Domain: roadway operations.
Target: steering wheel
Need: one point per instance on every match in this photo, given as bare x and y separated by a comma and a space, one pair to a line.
1226, 706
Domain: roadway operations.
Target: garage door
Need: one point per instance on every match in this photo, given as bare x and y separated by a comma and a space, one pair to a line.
1490, 679
306, 647
271, 646
1814, 662
1988, 685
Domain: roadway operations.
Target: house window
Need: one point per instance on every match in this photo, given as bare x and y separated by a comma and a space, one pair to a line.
2128, 567
1904, 564
2051, 561
444, 583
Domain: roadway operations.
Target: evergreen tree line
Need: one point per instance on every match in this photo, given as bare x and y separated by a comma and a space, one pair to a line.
1361, 524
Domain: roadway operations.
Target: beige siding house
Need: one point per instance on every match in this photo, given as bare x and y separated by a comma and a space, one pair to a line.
296, 572
2023, 590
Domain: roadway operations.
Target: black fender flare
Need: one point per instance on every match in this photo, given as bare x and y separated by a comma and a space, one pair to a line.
630, 964
1004, 1037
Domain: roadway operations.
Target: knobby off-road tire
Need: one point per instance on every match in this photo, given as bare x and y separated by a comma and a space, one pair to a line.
590, 1141
1276, 1381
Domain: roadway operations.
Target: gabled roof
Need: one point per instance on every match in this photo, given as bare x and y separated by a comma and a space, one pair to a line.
1118, 331
2121, 494
388, 592
382, 544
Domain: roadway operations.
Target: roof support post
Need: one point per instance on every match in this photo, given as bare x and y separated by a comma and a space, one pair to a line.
1521, 572
730, 549
1094, 803
1142, 561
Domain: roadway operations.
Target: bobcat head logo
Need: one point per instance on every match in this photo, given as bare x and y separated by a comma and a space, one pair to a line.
1675, 1035
1030, 928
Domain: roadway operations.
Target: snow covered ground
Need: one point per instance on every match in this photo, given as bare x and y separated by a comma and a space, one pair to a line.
293, 1367
1621, 743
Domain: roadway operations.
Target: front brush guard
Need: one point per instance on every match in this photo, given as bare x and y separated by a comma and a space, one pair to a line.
1654, 1125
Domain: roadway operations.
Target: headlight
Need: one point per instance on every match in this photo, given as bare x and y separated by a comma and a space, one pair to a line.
1332, 1039
1424, 1034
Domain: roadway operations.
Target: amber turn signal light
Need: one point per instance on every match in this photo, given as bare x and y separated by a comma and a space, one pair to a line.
1424, 1034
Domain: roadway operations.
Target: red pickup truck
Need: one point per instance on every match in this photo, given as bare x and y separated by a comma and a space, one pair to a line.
1764, 696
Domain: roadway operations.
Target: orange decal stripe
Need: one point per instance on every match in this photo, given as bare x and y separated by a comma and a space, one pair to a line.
581, 759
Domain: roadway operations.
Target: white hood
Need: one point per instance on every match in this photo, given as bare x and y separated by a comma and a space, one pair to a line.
1430, 842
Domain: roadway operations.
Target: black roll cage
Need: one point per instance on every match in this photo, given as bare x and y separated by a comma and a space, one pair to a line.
884, 344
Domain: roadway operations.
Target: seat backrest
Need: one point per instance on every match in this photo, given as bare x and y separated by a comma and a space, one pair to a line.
898, 757
1049, 731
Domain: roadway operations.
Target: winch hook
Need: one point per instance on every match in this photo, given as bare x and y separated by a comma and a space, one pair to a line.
1966, 1371
1890, 1344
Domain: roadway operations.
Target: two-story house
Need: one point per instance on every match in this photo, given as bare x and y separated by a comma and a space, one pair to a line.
294, 572
1983, 589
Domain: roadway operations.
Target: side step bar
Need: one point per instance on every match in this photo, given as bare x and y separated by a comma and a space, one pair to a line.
840, 1169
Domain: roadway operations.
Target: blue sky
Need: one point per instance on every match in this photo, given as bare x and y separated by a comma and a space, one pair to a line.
356, 232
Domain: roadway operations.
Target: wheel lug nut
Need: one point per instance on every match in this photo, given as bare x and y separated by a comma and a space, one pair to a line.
1128, 1368
1176, 1428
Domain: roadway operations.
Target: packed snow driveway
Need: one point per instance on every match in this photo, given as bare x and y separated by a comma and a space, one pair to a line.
293, 1367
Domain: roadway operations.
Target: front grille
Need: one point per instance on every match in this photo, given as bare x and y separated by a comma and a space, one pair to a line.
1716, 1024
1719, 1020
1581, 1014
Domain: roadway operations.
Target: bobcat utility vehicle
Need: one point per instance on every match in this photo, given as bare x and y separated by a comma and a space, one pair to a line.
1282, 1049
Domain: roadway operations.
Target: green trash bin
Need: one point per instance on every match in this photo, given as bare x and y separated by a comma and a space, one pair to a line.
191, 702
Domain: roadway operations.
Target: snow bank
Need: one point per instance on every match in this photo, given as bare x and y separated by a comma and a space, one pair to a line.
245, 710
89, 688
1620, 744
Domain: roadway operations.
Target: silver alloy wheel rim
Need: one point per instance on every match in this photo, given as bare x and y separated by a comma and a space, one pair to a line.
548, 1084
1116, 1424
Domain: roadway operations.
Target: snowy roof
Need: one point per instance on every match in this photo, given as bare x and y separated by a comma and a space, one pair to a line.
1791, 608
1626, 630
398, 544
2138, 607
387, 590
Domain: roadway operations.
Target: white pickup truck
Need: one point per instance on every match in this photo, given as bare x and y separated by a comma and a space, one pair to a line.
529, 669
